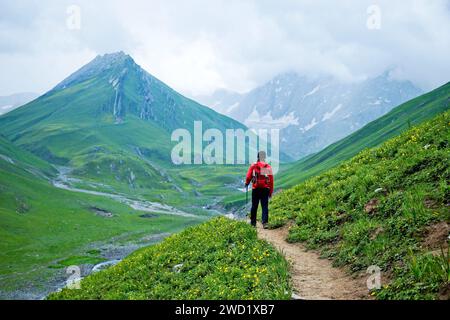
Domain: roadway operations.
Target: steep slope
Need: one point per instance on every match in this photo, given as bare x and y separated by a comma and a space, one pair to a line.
387, 207
400, 118
313, 113
111, 122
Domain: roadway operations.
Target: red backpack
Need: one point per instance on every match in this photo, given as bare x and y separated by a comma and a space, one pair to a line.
260, 175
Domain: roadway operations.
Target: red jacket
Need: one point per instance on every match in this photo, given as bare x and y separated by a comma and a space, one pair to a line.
263, 176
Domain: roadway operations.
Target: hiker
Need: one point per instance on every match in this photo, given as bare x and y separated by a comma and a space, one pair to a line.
261, 176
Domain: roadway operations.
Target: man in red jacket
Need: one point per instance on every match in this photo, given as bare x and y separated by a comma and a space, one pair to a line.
261, 176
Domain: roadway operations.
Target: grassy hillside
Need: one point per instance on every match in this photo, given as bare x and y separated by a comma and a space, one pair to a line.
41, 225
26, 163
220, 259
388, 206
393, 123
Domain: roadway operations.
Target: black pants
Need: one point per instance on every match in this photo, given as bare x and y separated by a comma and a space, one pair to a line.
260, 194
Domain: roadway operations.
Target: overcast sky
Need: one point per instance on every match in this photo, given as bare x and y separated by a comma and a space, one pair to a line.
198, 46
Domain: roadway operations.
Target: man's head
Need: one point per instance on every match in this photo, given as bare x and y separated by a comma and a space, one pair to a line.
262, 156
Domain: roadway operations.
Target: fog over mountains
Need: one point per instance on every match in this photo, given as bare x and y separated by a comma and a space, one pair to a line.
13, 101
312, 113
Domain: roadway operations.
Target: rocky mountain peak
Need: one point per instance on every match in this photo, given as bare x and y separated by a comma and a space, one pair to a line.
115, 63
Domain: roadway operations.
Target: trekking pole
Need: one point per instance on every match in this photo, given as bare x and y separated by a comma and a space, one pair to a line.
246, 194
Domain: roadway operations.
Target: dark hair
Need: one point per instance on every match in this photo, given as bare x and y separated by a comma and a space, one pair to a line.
261, 155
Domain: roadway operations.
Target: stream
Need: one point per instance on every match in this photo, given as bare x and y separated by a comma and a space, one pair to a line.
63, 181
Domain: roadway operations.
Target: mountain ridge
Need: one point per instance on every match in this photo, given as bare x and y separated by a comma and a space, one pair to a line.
119, 69
314, 112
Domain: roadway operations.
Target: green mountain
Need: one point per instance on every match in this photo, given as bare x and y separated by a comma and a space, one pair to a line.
109, 126
393, 123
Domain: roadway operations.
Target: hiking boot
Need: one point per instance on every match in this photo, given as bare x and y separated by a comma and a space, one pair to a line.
265, 226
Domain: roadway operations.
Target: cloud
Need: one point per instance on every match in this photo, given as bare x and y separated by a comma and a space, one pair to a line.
198, 46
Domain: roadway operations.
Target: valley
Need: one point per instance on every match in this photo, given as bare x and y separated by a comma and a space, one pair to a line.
87, 180
52, 219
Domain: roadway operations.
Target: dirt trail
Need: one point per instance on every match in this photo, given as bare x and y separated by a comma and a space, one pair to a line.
312, 277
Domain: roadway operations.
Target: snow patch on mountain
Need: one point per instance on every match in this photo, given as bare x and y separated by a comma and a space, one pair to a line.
114, 82
348, 115
376, 102
313, 91
255, 121
329, 115
309, 126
